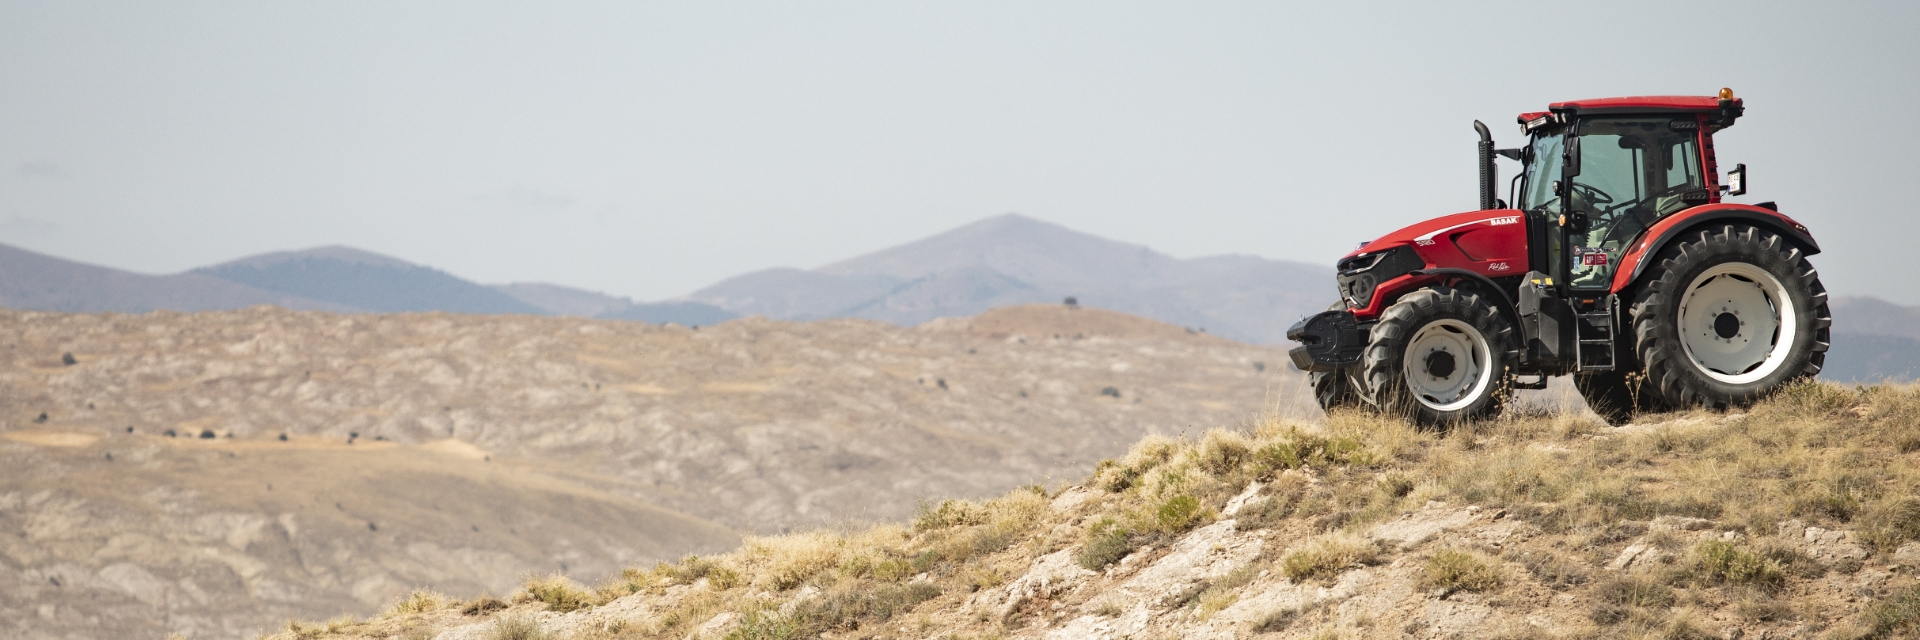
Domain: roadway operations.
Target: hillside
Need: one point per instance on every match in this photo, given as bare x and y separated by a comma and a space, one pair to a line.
405, 432
1797, 519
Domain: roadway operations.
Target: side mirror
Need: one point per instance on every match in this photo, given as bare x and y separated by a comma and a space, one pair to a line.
1573, 156
1737, 180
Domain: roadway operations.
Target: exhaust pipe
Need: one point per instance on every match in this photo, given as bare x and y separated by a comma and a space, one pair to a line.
1487, 170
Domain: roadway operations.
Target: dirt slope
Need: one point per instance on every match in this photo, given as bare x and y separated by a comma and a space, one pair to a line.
1798, 519
611, 442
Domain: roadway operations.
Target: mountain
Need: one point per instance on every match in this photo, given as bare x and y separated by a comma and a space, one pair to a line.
146, 487
31, 280
564, 301
1873, 340
365, 280
1013, 259
681, 312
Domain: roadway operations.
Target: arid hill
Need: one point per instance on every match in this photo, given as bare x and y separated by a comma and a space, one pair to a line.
1798, 519
462, 453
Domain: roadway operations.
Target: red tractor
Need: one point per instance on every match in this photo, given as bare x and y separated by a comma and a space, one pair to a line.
1618, 263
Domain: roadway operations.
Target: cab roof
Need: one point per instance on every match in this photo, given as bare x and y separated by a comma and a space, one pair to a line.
1645, 104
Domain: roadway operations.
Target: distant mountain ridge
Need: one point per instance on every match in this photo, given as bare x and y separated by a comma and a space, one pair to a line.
996, 262
365, 280
30, 280
1014, 259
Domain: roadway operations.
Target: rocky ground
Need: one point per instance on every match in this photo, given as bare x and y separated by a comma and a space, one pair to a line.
1798, 519
147, 485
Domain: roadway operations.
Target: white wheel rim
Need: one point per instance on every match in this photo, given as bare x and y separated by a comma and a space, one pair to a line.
1736, 323
1446, 365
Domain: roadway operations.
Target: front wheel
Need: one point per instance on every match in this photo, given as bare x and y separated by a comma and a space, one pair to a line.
1440, 356
1334, 390
1730, 314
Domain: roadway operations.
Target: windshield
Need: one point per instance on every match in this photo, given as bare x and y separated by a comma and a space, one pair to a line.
1543, 167
1633, 171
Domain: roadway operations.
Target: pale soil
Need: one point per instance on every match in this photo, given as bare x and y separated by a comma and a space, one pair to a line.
494, 447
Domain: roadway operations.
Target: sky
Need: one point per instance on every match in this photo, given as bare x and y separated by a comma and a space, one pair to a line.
650, 149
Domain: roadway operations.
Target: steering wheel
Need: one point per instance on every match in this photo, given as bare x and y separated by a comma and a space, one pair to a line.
1593, 195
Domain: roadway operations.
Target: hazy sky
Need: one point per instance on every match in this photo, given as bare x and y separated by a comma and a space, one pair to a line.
648, 149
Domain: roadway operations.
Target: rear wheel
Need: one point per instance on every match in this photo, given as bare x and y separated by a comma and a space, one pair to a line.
1730, 314
1618, 396
1439, 356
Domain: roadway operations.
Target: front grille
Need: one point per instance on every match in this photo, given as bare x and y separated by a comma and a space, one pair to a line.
1360, 275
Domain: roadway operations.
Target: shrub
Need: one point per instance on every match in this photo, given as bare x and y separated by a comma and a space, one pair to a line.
786, 562
1899, 611
1223, 452
482, 606
420, 601
764, 624
1107, 541
1328, 556
516, 628
892, 570
1719, 561
559, 593
950, 513
1216, 595
1634, 591
1177, 514
1458, 571
1894, 523
847, 609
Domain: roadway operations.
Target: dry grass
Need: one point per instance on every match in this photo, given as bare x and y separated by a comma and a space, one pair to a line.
516, 628
1328, 555
559, 593
419, 601
1827, 455
1454, 570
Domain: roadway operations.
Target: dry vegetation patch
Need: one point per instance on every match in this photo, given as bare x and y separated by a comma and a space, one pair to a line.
1781, 520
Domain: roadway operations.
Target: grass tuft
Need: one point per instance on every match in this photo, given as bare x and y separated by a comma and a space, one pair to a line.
1719, 562
420, 601
1454, 570
1106, 543
1327, 556
516, 628
559, 593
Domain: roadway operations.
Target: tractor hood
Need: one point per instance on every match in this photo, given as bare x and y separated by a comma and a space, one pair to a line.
1435, 230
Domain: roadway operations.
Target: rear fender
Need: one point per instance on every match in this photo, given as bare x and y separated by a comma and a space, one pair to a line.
1656, 238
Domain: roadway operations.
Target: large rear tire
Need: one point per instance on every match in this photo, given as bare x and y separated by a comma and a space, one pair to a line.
1439, 357
1728, 315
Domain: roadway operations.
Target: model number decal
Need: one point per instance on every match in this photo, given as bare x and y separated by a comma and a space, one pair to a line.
1427, 238
1498, 266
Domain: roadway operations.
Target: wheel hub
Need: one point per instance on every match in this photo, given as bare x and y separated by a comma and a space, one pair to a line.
1447, 365
1726, 325
1440, 364
1736, 322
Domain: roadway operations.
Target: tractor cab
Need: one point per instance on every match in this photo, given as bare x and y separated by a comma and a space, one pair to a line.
1599, 173
1617, 262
